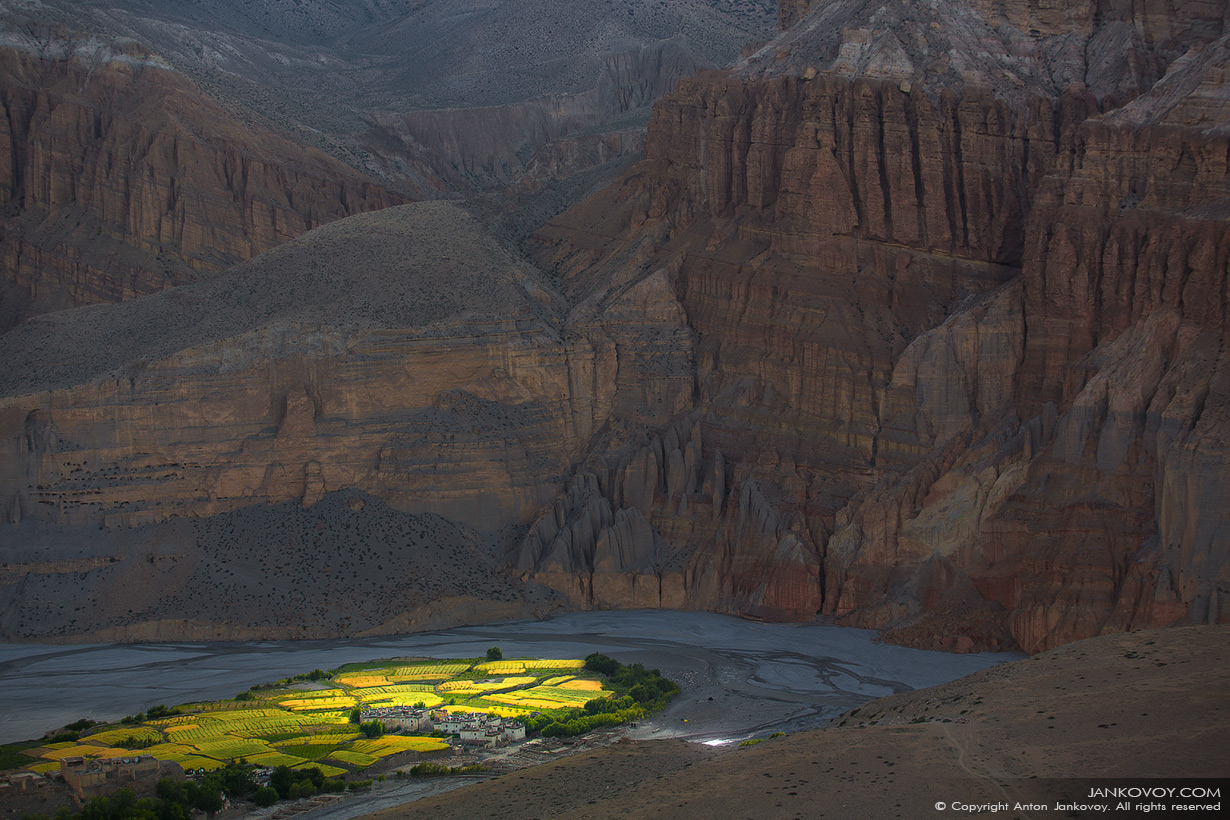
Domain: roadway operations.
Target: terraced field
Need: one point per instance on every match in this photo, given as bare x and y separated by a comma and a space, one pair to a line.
309, 720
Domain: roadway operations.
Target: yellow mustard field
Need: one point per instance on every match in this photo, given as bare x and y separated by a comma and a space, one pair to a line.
296, 726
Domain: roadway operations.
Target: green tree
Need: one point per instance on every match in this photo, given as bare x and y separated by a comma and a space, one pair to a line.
265, 796
495, 654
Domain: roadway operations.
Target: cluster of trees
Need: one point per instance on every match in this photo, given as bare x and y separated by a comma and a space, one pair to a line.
435, 769
291, 784
645, 686
577, 721
639, 692
154, 713
176, 799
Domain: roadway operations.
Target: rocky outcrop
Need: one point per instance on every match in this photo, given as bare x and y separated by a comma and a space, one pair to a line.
790, 12
120, 178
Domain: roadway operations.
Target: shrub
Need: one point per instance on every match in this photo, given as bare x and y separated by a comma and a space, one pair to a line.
265, 796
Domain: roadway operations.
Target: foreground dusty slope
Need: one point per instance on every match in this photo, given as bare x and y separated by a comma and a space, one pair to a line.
1146, 704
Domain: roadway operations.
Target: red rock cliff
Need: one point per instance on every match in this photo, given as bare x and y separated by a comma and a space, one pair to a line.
953, 342
120, 178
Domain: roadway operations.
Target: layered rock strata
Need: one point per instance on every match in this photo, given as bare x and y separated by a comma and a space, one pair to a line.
912, 321
120, 178
951, 363
402, 353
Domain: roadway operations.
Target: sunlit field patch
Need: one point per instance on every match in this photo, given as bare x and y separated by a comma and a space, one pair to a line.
394, 744
310, 704
325, 768
353, 758
477, 687
307, 751
427, 671
81, 751
275, 759
230, 748
488, 706
551, 663
359, 681
328, 739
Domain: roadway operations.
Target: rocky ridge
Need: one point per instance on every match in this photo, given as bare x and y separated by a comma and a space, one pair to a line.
444, 96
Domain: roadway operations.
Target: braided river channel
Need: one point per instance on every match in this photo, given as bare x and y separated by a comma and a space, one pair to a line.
740, 678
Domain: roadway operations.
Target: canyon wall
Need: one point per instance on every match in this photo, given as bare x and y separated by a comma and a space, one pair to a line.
954, 346
913, 320
120, 178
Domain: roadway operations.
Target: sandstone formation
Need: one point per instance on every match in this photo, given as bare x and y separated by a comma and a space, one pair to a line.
911, 320
950, 361
120, 178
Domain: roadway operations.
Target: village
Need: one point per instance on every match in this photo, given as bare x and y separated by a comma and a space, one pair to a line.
474, 729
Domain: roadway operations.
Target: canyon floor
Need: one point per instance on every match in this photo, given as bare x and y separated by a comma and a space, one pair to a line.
1129, 706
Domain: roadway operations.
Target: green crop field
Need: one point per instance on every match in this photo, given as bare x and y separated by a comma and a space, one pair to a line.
116, 737
353, 758
275, 759
428, 671
393, 744
231, 748
325, 768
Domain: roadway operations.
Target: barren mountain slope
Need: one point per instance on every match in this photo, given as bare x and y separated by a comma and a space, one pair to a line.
402, 353
150, 144
449, 94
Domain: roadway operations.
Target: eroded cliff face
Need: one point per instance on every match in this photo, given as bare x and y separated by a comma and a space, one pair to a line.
913, 321
120, 178
954, 346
